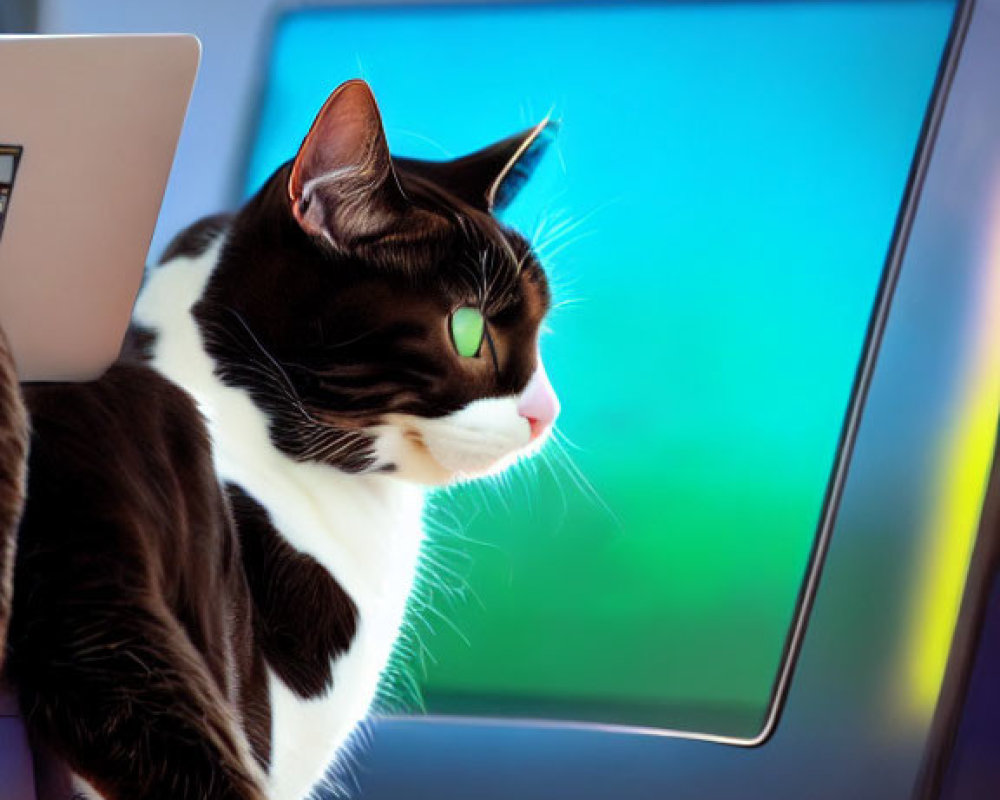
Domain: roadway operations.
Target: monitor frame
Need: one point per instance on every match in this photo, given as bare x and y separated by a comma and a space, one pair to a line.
860, 385
935, 729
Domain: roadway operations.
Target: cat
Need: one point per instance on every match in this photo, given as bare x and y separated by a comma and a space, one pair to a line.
221, 533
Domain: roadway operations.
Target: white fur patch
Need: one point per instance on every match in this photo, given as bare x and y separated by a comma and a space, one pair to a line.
81, 790
479, 439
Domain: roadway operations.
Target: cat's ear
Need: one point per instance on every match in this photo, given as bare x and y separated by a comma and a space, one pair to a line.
343, 186
490, 179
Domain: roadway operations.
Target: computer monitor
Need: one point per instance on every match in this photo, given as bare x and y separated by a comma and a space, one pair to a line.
736, 192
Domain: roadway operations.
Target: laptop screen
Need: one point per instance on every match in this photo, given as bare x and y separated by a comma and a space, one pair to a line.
714, 218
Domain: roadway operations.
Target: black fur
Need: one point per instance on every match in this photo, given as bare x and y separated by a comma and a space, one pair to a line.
129, 594
306, 619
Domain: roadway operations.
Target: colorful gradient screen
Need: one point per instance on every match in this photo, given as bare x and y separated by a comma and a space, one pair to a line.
714, 217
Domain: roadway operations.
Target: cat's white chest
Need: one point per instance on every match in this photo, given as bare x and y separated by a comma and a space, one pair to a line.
367, 533
307, 734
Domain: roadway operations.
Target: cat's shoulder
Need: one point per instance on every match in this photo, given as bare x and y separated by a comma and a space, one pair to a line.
194, 240
131, 399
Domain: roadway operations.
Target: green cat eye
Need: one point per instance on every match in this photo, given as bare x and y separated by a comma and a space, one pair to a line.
467, 329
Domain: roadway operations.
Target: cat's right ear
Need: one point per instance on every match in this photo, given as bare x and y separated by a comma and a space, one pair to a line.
342, 186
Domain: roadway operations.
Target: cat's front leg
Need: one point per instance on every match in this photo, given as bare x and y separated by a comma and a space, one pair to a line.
128, 705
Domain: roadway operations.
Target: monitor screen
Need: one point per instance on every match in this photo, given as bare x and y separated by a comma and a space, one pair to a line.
714, 217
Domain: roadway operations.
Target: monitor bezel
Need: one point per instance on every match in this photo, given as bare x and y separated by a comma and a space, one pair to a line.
875, 328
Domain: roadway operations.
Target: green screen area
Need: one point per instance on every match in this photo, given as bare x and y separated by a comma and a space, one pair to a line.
714, 219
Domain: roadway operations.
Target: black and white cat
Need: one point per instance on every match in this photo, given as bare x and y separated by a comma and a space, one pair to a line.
221, 534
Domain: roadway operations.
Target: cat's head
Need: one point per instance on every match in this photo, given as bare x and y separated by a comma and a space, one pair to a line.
377, 311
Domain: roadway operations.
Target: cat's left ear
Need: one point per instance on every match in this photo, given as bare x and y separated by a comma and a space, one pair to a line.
342, 186
490, 179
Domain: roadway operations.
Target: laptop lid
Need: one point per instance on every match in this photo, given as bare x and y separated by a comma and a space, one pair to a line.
88, 130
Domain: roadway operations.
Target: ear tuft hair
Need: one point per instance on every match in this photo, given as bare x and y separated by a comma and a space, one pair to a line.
521, 165
489, 179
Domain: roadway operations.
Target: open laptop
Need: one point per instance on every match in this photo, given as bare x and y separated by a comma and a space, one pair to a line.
88, 130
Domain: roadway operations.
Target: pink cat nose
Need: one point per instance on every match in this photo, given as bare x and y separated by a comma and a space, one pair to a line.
538, 403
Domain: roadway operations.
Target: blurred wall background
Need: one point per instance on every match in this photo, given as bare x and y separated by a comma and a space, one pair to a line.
234, 35
18, 16
211, 149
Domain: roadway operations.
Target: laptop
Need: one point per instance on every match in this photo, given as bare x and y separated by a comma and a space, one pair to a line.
88, 130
